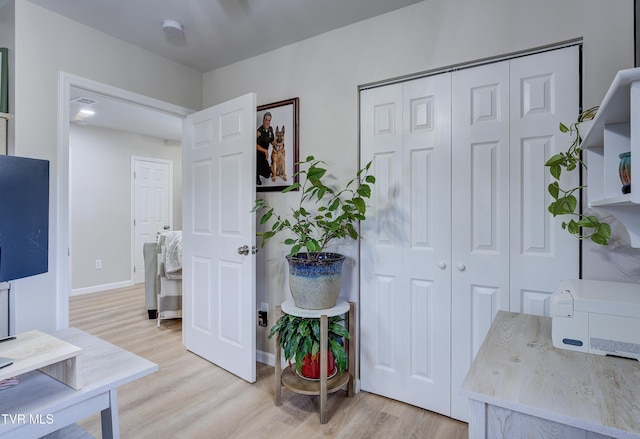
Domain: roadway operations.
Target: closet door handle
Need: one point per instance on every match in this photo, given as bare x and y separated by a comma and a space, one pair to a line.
442, 265
461, 267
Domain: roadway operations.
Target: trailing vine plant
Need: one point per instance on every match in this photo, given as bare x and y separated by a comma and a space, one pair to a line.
565, 201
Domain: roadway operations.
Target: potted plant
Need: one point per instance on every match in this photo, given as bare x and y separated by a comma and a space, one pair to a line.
299, 338
565, 201
322, 215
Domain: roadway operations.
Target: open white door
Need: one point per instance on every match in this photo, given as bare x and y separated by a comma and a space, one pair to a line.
219, 306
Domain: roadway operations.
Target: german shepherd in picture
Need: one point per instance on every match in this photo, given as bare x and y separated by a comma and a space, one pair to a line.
278, 167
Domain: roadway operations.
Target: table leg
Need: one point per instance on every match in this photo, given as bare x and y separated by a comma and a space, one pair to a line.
324, 329
477, 419
109, 417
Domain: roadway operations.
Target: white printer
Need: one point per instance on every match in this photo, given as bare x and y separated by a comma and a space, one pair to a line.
598, 317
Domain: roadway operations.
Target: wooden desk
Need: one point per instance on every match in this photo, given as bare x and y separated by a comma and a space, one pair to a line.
520, 386
40, 405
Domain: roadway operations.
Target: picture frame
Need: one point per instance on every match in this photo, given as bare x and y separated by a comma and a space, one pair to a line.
284, 125
4, 80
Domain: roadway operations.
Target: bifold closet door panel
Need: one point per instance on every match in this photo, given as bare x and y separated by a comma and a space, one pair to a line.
480, 212
405, 254
544, 92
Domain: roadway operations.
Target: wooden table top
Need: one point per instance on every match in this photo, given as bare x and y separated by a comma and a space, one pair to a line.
518, 368
104, 367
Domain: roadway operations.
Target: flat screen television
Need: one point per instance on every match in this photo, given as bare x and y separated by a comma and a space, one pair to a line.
24, 217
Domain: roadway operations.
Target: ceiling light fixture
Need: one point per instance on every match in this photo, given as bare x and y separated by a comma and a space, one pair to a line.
172, 27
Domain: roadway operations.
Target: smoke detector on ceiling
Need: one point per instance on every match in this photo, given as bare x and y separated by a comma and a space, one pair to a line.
172, 27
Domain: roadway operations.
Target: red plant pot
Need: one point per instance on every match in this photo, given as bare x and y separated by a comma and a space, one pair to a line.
311, 366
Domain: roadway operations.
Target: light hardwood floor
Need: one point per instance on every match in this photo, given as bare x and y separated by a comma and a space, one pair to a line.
191, 398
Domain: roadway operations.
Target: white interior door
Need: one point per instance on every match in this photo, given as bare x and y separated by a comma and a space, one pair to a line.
405, 271
153, 205
219, 306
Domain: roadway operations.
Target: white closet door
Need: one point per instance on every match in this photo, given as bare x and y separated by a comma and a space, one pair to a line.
459, 231
480, 188
405, 271
544, 92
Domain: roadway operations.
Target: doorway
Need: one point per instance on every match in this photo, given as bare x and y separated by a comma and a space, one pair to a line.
128, 100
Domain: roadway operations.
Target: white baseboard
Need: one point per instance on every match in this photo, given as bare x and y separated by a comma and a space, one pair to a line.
266, 358
98, 288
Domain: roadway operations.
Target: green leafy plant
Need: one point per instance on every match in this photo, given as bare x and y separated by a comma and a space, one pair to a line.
299, 336
336, 211
565, 201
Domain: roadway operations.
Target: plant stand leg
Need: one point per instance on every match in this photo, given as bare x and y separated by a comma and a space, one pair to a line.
278, 366
324, 329
349, 344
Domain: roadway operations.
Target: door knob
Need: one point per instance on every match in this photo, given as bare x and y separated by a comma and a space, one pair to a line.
166, 227
244, 250
461, 267
442, 265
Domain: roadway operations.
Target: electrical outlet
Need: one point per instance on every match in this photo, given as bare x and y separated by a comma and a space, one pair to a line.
98, 264
262, 319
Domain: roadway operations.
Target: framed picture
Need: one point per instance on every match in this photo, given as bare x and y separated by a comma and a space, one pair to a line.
4, 80
277, 145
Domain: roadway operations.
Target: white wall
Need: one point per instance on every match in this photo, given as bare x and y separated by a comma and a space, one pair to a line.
45, 45
100, 199
7, 39
325, 73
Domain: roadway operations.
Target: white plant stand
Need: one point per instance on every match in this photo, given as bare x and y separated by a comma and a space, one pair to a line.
288, 378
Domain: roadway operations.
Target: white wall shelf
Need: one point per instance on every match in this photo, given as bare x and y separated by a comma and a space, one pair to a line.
615, 130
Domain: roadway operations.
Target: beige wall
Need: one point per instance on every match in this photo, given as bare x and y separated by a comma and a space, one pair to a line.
100, 199
45, 45
325, 72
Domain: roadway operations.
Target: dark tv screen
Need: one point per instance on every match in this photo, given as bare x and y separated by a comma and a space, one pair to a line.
24, 217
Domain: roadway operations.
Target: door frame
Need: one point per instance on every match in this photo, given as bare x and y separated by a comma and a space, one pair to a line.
63, 233
135, 159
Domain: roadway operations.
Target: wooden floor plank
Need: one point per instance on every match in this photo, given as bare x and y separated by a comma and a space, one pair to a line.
191, 398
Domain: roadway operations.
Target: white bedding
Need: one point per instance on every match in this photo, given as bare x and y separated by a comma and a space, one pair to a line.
169, 275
